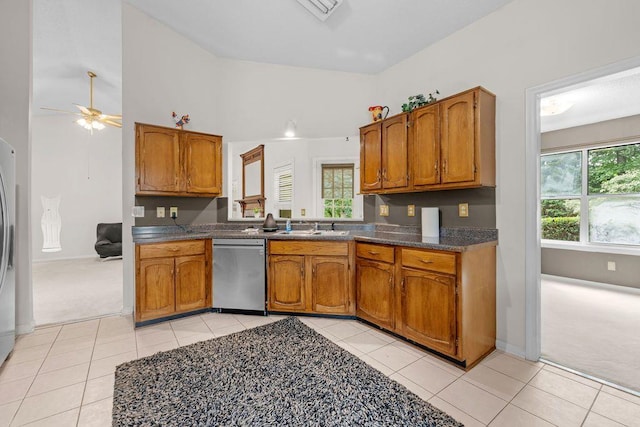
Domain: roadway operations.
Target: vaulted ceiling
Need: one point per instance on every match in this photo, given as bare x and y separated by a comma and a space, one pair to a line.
363, 36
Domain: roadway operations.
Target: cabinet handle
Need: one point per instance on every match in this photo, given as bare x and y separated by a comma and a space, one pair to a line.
444, 165
391, 281
436, 166
378, 175
402, 287
426, 261
374, 253
313, 270
384, 173
302, 271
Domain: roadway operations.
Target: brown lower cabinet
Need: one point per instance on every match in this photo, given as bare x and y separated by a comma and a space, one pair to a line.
311, 277
172, 278
442, 300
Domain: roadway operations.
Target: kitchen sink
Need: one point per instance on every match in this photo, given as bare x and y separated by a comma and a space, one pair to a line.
314, 233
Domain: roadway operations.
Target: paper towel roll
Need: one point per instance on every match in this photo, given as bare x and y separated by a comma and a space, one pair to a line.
430, 222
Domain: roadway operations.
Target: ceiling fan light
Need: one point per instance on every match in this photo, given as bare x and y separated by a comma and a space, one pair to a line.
98, 125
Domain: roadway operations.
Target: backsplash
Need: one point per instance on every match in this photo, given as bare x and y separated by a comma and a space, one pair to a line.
482, 207
191, 210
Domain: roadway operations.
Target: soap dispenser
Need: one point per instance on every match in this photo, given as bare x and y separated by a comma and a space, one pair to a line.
288, 226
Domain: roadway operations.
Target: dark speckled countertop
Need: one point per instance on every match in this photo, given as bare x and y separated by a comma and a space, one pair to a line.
458, 239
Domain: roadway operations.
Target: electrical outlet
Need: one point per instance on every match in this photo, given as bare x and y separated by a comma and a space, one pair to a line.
137, 211
463, 209
411, 210
159, 211
611, 265
384, 210
173, 212
303, 212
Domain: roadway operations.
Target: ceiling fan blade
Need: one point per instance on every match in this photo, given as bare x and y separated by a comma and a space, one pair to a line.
61, 111
112, 116
84, 109
110, 122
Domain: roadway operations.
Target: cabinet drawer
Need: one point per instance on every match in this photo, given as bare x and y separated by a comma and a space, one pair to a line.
169, 249
429, 260
291, 247
375, 252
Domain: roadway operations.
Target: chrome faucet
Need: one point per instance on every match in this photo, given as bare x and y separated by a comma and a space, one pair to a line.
316, 226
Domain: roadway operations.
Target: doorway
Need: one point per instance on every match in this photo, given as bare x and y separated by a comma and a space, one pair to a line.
554, 298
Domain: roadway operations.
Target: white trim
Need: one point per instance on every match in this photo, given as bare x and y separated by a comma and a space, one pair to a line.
358, 204
509, 348
589, 283
532, 193
583, 247
38, 261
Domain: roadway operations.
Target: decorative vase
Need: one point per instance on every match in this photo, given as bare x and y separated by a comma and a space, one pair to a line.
270, 223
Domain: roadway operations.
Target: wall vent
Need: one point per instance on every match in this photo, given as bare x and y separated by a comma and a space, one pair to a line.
321, 9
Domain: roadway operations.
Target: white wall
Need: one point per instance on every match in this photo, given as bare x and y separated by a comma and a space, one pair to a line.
524, 44
307, 156
85, 170
256, 100
161, 72
15, 104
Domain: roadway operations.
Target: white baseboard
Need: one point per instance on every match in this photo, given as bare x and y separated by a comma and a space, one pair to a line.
37, 261
509, 348
581, 282
25, 328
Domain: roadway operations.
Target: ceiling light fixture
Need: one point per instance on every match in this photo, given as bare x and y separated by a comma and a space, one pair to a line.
290, 129
321, 9
553, 106
90, 124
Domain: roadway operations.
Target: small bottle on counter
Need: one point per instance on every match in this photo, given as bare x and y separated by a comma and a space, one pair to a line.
288, 226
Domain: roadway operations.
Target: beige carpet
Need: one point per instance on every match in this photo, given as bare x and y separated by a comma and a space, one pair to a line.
593, 330
76, 289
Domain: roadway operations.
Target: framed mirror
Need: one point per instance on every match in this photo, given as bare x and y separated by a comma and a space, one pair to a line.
252, 202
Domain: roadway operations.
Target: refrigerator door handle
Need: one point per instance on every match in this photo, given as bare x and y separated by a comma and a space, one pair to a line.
11, 249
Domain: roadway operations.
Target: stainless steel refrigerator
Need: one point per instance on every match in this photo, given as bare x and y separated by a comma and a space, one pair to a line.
7, 272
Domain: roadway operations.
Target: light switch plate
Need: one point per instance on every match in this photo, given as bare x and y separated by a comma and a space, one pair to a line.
303, 212
611, 265
411, 210
384, 210
137, 211
159, 211
463, 209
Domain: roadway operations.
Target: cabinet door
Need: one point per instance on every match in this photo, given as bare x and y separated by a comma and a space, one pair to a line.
457, 143
287, 291
158, 160
374, 287
424, 146
428, 310
191, 283
330, 287
203, 159
370, 158
395, 166
155, 291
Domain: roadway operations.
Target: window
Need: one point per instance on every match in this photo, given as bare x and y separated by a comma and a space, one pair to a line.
337, 190
283, 189
592, 195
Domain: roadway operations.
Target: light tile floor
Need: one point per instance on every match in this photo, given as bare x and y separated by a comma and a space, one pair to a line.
63, 375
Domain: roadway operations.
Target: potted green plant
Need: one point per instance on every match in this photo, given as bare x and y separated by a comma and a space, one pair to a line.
256, 212
419, 100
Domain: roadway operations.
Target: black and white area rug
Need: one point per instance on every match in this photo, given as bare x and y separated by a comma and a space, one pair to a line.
281, 374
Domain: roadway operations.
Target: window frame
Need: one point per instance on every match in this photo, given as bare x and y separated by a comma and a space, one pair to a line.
336, 166
584, 244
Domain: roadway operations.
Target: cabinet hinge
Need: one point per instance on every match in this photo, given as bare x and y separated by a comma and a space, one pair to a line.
475, 170
457, 342
475, 101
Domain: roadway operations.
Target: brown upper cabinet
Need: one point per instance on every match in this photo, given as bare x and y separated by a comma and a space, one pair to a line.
175, 162
449, 144
383, 155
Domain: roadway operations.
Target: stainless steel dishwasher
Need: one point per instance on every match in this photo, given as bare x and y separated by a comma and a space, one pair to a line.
239, 283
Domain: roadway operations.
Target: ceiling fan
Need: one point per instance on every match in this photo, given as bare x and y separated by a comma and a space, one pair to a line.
92, 118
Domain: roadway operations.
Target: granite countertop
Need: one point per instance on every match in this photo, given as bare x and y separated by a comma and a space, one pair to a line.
458, 239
